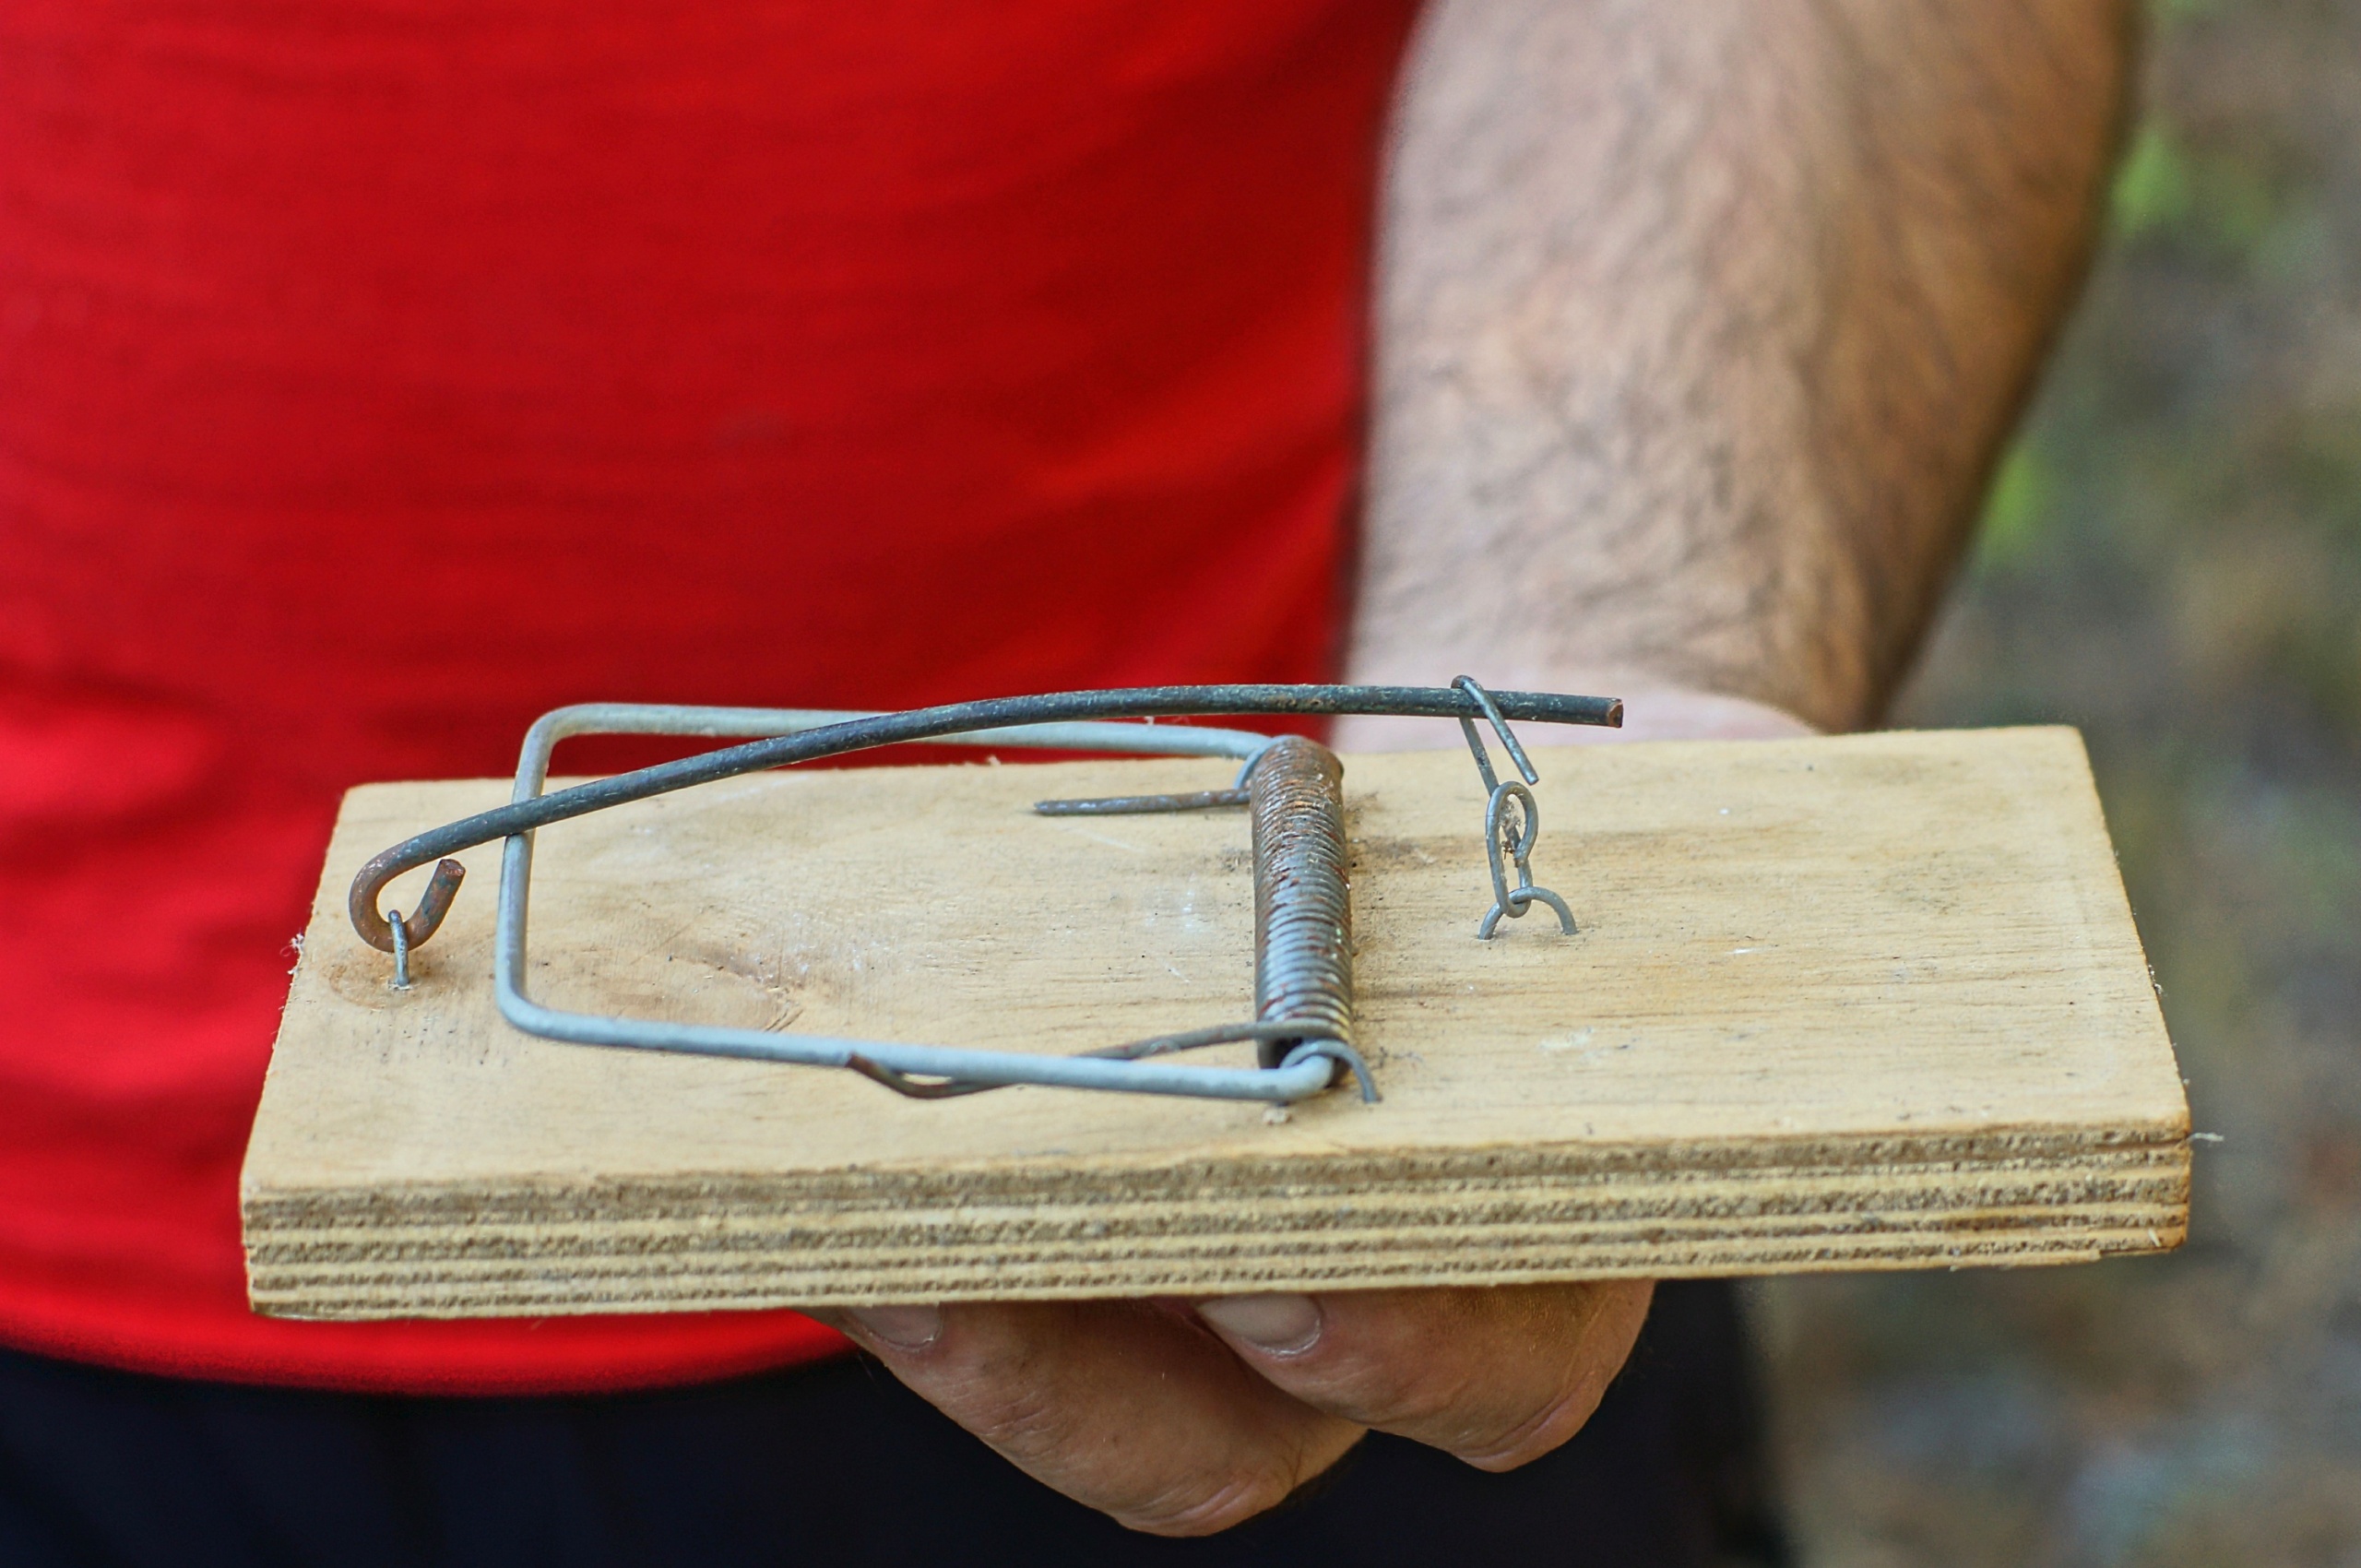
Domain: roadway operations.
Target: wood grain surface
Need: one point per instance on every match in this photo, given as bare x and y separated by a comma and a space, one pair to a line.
1868, 1001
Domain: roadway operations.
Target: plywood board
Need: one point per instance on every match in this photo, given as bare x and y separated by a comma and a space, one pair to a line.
1871, 1001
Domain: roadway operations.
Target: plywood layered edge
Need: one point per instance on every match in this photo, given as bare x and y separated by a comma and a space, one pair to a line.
1526, 1215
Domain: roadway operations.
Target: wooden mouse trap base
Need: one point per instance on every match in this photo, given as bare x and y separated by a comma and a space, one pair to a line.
1871, 1002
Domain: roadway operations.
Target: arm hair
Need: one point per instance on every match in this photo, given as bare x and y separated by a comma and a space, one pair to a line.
1700, 326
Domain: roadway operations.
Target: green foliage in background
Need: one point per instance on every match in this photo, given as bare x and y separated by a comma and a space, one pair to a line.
2169, 557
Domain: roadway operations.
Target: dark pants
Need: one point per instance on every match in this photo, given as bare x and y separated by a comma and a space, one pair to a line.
833, 1464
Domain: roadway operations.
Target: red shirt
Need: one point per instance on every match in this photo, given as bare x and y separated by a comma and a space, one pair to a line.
374, 377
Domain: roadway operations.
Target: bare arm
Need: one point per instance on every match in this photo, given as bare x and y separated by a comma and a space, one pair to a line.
1699, 325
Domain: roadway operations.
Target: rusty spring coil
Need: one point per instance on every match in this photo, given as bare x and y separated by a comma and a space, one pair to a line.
1303, 913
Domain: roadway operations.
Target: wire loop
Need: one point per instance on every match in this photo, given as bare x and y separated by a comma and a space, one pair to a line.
1512, 822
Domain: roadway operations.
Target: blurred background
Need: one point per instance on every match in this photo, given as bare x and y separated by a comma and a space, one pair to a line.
2171, 559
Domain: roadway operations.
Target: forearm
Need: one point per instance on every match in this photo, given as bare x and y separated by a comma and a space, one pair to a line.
1700, 326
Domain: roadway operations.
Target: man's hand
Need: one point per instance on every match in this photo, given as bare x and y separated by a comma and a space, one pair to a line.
1182, 1422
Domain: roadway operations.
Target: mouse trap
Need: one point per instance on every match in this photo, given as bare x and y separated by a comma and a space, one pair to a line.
1253, 1017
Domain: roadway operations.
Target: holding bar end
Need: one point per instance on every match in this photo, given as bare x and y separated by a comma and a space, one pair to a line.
433, 905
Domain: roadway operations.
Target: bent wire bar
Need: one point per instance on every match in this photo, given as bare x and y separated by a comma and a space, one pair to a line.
1303, 978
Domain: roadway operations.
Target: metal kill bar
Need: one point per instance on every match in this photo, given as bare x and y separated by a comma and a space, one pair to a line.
902, 1067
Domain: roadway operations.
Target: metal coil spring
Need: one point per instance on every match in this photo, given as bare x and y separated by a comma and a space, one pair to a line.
1303, 918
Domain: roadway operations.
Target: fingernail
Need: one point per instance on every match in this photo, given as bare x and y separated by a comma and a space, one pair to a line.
901, 1328
1284, 1326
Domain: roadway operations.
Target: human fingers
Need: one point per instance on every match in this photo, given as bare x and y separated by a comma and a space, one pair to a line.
1497, 1376
1132, 1407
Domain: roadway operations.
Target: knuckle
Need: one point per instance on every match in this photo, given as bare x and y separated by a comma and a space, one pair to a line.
1016, 1416
1498, 1393
1204, 1505
1393, 1399
1523, 1440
